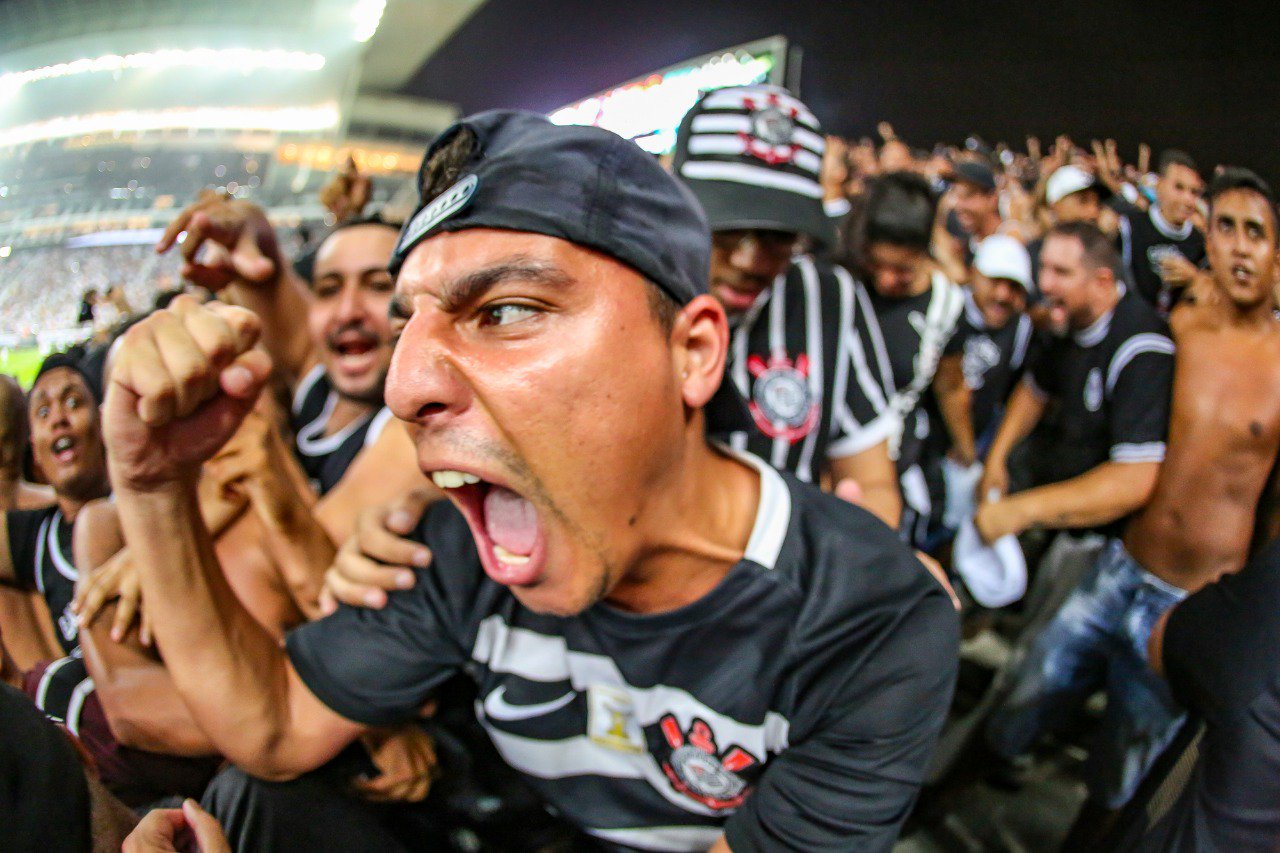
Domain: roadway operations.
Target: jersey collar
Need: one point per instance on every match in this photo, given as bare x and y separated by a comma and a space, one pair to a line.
1166, 228
773, 514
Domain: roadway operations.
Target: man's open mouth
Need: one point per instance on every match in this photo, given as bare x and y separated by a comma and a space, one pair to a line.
504, 524
64, 449
356, 350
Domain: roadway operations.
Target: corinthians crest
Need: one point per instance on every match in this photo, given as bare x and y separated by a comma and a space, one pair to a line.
773, 128
697, 768
782, 404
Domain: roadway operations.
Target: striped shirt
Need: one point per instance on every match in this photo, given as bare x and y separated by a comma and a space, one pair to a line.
792, 707
326, 458
801, 358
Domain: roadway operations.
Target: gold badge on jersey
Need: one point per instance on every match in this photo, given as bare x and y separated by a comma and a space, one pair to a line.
611, 719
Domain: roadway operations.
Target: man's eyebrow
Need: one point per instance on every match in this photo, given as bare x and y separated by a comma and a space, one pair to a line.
460, 291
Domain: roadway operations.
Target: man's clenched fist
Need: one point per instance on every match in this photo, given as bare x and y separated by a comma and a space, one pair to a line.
179, 385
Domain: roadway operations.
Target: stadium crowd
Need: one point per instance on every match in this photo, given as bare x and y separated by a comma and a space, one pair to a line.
614, 504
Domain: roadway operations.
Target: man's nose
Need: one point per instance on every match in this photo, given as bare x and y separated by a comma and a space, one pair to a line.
424, 385
351, 303
751, 256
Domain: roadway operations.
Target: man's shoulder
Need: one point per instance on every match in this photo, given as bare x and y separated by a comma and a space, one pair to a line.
24, 523
1135, 316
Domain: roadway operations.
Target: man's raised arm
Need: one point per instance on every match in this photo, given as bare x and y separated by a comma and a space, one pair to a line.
183, 380
231, 245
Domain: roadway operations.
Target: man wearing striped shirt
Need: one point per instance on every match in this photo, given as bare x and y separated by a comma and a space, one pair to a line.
676, 645
799, 351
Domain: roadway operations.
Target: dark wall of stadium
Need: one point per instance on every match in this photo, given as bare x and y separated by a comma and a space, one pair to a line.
1202, 76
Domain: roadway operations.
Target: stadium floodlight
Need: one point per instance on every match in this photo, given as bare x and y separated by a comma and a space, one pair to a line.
367, 14
277, 119
238, 59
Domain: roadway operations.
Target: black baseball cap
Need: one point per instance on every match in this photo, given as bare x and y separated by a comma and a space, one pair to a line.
586, 185
975, 172
72, 360
753, 157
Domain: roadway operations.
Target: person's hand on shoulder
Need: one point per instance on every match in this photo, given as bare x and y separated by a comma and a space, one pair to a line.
378, 558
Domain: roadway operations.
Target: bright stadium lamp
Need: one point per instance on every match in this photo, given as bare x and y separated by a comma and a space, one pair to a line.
367, 14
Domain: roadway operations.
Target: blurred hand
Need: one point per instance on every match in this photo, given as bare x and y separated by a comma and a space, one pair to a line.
184, 379
227, 241
997, 519
377, 558
117, 578
1177, 271
406, 757
348, 193
189, 828
994, 484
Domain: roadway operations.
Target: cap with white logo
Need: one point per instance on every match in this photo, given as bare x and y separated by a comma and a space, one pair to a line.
1001, 256
1067, 180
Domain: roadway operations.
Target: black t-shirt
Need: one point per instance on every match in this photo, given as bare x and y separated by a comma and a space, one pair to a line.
40, 550
1145, 238
801, 358
326, 458
902, 322
793, 707
1221, 662
992, 361
1110, 386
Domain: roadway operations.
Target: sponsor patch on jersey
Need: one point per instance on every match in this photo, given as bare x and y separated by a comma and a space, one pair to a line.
782, 403
441, 208
1093, 390
698, 769
980, 355
611, 719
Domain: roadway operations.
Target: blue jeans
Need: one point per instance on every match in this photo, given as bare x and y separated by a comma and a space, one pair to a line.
1098, 639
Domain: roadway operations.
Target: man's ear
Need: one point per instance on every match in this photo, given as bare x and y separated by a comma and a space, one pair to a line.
700, 342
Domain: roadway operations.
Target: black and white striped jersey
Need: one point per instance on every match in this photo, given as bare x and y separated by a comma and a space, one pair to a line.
992, 361
801, 359
325, 458
1111, 385
40, 551
793, 707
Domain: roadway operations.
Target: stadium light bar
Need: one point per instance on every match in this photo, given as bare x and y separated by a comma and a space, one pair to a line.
240, 59
366, 15
280, 120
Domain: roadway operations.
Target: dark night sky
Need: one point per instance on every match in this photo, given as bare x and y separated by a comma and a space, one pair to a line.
1203, 76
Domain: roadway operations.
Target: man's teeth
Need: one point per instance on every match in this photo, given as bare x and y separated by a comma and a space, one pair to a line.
511, 559
62, 444
453, 479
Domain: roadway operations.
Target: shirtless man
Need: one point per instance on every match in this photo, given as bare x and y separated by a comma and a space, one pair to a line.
1224, 430
1224, 434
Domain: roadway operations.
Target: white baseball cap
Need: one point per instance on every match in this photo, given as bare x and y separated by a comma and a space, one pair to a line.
1002, 256
1068, 180
996, 574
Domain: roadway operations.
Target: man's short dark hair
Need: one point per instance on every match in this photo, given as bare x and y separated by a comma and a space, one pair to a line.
443, 170
1099, 251
900, 210
1231, 178
1175, 157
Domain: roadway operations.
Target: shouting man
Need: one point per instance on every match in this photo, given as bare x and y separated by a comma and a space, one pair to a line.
608, 577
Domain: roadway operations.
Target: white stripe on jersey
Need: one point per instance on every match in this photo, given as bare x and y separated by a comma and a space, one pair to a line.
76, 705
304, 387
840, 381
738, 370
44, 529
42, 689
1136, 345
756, 176
1021, 343
778, 349
377, 425
724, 143
662, 837
817, 365
311, 440
65, 567
545, 658
877, 340
1151, 451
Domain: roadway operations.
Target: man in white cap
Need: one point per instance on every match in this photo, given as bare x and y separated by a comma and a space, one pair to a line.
1072, 195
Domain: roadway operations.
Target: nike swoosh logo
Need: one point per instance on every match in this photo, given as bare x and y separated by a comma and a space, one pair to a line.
497, 707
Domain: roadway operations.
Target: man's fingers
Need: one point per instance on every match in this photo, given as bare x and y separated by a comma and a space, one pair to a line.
145, 633
375, 541
244, 378
351, 593
248, 260
156, 831
140, 369
193, 374
209, 835
126, 609
405, 512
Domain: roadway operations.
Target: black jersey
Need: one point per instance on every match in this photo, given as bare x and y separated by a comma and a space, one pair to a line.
792, 707
992, 361
801, 358
1110, 386
326, 458
1145, 238
915, 331
40, 551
